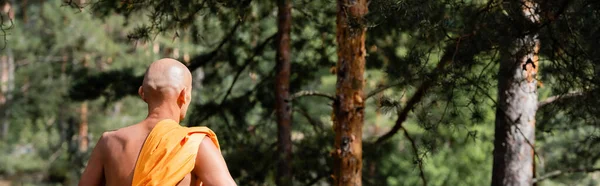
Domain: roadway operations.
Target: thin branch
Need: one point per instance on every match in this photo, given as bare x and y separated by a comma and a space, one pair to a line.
446, 107
481, 89
557, 173
317, 125
552, 99
196, 62
380, 89
488, 6
189, 18
416, 152
262, 45
224, 117
310, 93
258, 50
403, 115
565, 4
449, 56
56, 154
204, 59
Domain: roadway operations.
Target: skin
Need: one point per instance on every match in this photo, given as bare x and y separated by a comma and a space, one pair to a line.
167, 91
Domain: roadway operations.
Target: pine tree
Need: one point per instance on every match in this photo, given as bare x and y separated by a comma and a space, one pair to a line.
517, 106
348, 107
282, 102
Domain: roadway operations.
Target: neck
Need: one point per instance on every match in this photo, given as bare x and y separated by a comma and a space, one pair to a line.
161, 112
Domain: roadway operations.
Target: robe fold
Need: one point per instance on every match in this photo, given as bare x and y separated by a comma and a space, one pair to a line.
169, 153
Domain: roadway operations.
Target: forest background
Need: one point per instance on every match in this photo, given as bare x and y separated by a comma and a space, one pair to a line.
274, 79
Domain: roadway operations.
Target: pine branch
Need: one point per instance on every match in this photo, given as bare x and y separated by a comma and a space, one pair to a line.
203, 59
403, 115
213, 104
416, 152
310, 93
125, 89
557, 173
563, 7
316, 124
380, 89
450, 54
258, 50
386, 104
556, 98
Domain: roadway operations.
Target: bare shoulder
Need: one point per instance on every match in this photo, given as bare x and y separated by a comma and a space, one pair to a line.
207, 145
101, 147
115, 138
122, 134
106, 138
207, 151
210, 166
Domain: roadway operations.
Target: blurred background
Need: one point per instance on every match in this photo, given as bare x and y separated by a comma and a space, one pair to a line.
70, 69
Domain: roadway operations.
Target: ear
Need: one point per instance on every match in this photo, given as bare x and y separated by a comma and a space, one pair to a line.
182, 99
141, 93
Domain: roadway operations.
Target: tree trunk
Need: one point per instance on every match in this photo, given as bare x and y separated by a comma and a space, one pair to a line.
348, 107
24, 11
83, 128
7, 76
515, 113
7, 68
282, 104
3, 94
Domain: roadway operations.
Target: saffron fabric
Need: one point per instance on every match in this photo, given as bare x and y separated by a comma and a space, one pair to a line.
169, 153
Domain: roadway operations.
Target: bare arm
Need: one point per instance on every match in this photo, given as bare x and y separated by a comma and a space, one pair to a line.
94, 172
210, 166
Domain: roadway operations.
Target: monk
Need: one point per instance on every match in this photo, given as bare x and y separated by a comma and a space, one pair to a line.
157, 150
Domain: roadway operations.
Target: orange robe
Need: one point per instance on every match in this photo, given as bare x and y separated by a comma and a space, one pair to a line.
169, 153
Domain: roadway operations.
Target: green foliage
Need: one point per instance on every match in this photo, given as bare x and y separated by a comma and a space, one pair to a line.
98, 54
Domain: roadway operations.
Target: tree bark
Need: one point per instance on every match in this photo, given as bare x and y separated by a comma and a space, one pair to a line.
3, 95
24, 11
83, 128
7, 76
515, 113
348, 107
282, 95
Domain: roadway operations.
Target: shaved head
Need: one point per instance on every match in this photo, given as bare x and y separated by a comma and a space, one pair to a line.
167, 81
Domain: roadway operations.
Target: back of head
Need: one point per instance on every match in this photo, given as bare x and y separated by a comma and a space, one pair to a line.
167, 81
